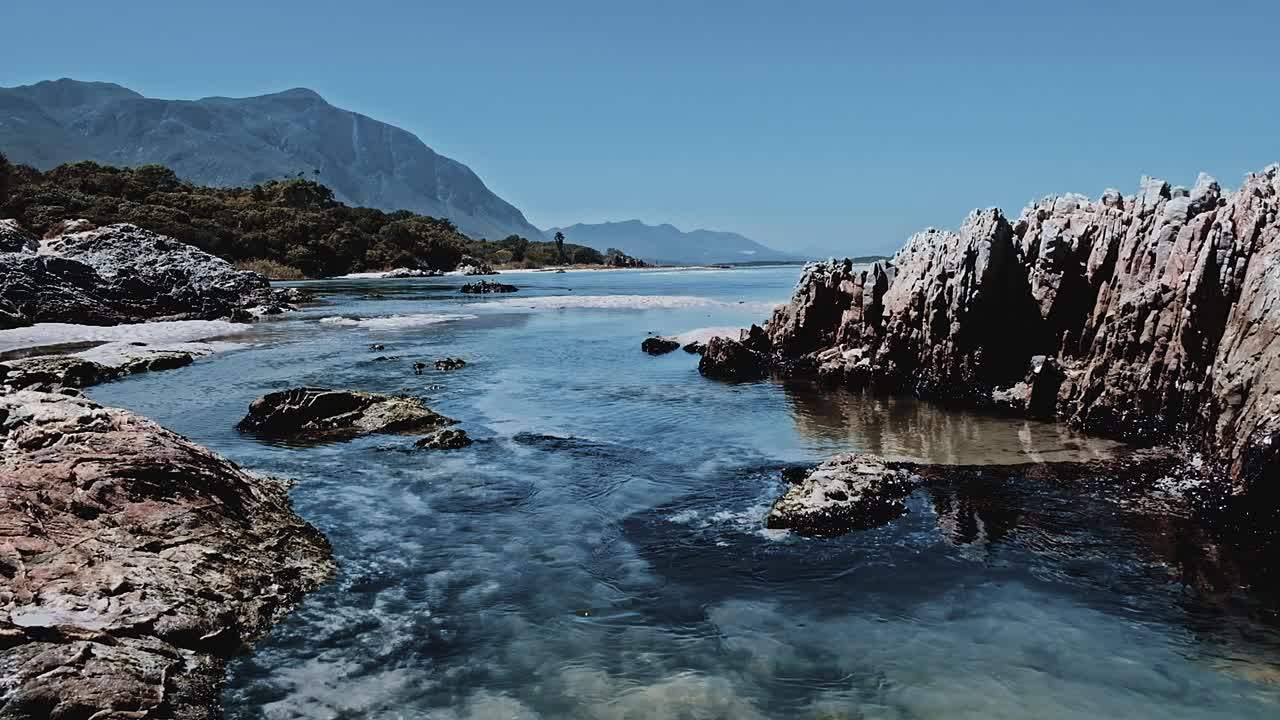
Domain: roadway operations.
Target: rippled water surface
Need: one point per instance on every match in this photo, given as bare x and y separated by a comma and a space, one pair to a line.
600, 552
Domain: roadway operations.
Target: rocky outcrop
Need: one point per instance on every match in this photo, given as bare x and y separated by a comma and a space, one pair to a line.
447, 439
321, 414
54, 372
484, 287
852, 491
659, 345
1144, 317
450, 364
471, 266
399, 273
748, 358
133, 564
122, 274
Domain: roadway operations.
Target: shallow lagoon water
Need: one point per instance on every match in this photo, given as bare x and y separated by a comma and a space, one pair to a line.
600, 551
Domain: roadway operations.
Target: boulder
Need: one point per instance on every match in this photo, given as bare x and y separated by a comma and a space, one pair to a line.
321, 414
447, 364
447, 439
122, 274
728, 359
485, 287
659, 345
135, 563
851, 491
53, 372
695, 348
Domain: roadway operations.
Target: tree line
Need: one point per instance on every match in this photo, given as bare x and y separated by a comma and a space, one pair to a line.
294, 224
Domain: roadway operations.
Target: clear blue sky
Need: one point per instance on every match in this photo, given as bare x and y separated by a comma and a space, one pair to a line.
840, 125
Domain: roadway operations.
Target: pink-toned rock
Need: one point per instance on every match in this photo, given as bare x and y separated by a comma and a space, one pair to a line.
1157, 316
133, 563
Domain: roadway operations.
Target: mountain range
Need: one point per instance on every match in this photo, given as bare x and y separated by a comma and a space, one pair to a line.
668, 244
226, 142
244, 141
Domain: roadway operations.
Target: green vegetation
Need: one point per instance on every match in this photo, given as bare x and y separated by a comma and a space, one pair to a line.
289, 225
4, 179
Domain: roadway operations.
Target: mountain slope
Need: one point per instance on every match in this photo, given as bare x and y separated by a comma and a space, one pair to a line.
245, 141
666, 243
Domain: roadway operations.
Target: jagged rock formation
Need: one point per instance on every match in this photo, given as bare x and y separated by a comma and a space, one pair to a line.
319, 414
133, 564
1153, 316
121, 274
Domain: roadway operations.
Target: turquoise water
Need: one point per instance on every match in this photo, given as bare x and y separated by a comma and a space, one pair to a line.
600, 551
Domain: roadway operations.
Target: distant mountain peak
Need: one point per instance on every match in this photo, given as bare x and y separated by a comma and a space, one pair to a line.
666, 243
226, 141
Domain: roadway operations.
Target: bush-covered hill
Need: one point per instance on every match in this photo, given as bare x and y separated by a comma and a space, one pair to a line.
289, 224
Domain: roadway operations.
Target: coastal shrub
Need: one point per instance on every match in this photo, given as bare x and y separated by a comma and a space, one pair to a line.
4, 179
271, 269
294, 223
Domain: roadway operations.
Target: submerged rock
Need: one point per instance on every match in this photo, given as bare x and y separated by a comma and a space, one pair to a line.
852, 491
447, 364
448, 439
135, 563
484, 287
122, 274
320, 414
659, 345
53, 372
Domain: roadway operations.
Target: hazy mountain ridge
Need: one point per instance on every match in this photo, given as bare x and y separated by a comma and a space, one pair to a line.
245, 141
668, 244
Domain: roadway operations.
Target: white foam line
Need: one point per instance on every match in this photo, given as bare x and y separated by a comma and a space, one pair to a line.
394, 322
622, 302
156, 333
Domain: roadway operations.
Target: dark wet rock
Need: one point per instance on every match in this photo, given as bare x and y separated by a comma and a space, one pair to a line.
727, 359
447, 439
120, 274
852, 491
447, 364
418, 367
377, 347
135, 563
320, 414
484, 287
695, 348
659, 345
1146, 317
15, 239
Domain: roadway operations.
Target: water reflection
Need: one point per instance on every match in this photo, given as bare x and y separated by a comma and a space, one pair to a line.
904, 428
